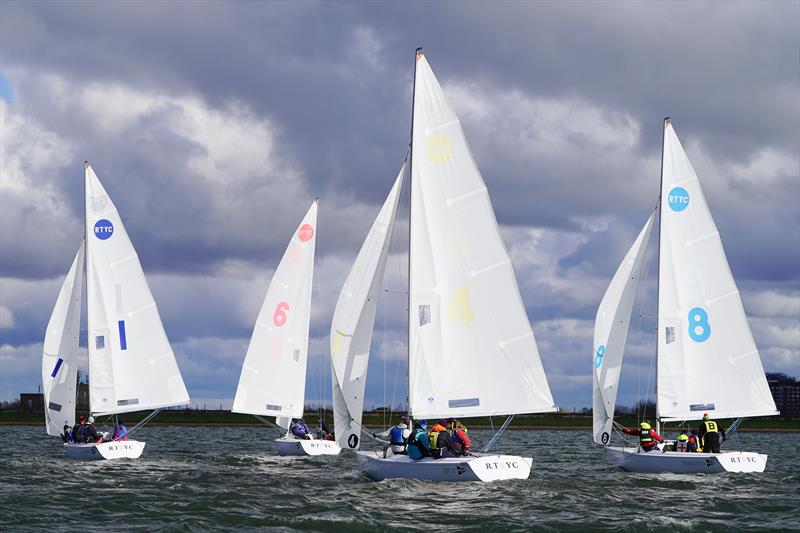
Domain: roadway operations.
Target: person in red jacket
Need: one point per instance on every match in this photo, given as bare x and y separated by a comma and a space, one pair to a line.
647, 436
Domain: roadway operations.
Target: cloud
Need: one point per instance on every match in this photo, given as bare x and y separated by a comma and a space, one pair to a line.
6, 318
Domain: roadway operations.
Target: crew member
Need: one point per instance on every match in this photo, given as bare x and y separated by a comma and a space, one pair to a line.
418, 444
398, 436
647, 436
709, 433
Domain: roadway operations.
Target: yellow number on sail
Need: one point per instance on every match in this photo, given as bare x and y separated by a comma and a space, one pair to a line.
439, 149
459, 308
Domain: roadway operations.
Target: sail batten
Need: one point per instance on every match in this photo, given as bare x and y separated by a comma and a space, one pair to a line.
273, 377
464, 299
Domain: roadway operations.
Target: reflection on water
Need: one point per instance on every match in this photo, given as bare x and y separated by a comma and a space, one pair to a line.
198, 478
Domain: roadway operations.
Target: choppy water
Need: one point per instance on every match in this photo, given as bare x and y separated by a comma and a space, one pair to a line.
193, 478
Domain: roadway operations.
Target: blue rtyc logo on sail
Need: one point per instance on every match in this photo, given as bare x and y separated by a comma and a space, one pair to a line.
678, 199
599, 355
103, 229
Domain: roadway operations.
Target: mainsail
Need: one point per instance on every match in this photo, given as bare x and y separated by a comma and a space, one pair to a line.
353, 320
131, 364
60, 352
273, 378
472, 350
611, 331
707, 359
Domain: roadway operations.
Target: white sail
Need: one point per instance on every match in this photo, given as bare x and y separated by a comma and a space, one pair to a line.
273, 378
131, 364
60, 352
707, 359
472, 350
611, 331
353, 319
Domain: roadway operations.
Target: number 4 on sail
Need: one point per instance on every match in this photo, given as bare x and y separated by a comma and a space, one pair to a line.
702, 330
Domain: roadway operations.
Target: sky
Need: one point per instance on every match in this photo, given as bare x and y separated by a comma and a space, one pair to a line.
214, 125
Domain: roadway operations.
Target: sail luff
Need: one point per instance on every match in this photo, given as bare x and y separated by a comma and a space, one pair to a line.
273, 376
60, 350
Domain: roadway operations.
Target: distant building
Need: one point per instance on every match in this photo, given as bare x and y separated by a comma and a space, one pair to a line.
33, 401
786, 393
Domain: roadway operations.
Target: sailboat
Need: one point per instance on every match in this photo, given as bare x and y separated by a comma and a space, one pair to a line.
471, 348
706, 358
131, 364
273, 378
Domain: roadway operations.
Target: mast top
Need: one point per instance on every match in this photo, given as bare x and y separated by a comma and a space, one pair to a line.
85, 165
666, 122
419, 53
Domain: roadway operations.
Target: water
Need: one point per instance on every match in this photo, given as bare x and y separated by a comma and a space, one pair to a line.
198, 478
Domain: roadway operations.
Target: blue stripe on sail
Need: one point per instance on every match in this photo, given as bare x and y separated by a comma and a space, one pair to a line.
58, 365
123, 342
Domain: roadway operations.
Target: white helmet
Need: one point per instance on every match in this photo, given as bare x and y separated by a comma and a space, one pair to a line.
91, 420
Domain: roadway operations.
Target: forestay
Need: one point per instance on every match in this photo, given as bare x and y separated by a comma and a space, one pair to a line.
131, 364
60, 352
611, 331
707, 359
472, 350
273, 378
353, 320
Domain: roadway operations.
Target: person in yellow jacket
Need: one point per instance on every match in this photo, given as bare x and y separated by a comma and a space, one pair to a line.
709, 433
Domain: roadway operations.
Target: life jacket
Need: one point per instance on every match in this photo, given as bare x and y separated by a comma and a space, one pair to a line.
459, 435
645, 438
396, 436
691, 444
83, 434
711, 426
433, 438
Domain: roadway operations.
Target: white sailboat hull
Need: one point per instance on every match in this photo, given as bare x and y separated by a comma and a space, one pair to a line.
632, 460
470, 468
291, 446
125, 449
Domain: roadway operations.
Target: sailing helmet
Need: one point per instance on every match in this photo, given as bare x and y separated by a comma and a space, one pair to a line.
705, 416
644, 425
91, 420
405, 420
423, 423
81, 419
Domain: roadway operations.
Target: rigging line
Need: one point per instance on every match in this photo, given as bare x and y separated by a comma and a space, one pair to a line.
500, 431
144, 421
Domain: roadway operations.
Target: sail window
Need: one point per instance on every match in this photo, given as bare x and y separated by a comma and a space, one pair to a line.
99, 342
670, 333
123, 342
58, 365
54, 407
274, 407
702, 407
465, 402
296, 355
424, 314
132, 401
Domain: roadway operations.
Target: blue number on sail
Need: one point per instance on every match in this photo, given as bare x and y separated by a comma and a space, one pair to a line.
123, 342
58, 365
598, 357
699, 328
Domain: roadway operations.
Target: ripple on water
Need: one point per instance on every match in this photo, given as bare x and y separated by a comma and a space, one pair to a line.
195, 479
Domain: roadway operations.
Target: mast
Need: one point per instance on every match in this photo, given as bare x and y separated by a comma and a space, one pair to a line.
417, 56
85, 273
658, 265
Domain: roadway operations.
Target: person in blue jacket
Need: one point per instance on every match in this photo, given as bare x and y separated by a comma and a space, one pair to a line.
418, 444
